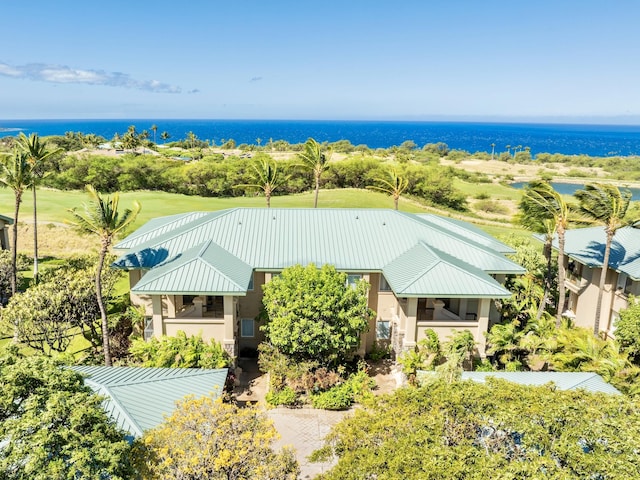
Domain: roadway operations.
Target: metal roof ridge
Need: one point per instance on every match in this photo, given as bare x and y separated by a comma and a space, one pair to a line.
112, 398
422, 273
468, 241
198, 222
203, 372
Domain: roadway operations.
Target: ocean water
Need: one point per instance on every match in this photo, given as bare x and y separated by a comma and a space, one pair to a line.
594, 140
571, 188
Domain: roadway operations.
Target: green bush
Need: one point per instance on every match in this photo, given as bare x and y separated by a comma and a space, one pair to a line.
491, 206
286, 396
340, 397
179, 352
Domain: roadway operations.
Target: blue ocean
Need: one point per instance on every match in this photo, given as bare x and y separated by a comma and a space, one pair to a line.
594, 140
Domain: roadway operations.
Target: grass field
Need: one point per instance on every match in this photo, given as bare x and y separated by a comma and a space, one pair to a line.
57, 239
53, 205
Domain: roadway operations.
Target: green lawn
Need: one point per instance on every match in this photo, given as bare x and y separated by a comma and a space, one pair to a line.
53, 205
494, 191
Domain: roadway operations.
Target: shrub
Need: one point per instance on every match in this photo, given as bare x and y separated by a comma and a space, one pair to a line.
491, 206
339, 397
179, 352
285, 396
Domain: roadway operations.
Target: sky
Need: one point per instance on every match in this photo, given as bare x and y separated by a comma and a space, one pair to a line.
564, 60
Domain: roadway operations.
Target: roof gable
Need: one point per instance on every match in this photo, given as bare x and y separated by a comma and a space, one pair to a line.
205, 269
426, 271
137, 398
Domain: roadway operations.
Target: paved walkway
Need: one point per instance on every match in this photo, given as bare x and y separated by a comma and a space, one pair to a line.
304, 429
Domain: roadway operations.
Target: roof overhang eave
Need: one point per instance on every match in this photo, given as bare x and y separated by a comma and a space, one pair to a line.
182, 292
448, 295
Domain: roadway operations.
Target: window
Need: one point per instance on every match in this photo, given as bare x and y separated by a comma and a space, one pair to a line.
247, 326
250, 287
353, 278
383, 330
384, 285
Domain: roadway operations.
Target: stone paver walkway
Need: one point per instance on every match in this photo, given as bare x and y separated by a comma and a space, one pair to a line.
304, 429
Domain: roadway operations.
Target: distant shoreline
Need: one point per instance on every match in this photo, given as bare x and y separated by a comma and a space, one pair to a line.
566, 139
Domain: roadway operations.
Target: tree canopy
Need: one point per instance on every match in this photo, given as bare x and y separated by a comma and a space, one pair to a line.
314, 314
205, 438
494, 430
54, 426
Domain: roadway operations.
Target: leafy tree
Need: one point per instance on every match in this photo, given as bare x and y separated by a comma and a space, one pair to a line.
314, 159
605, 204
266, 177
473, 430
205, 438
314, 314
50, 314
545, 211
37, 153
102, 218
394, 185
18, 175
628, 330
53, 426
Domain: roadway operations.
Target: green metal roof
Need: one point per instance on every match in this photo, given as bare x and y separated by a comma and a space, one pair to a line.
204, 269
469, 231
8, 220
425, 271
138, 399
155, 227
591, 382
586, 245
357, 240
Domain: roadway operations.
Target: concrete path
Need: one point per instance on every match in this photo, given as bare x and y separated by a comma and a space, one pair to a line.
304, 429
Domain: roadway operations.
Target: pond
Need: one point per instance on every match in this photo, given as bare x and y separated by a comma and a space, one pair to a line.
570, 188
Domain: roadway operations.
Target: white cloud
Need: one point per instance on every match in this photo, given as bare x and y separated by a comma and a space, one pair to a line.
64, 74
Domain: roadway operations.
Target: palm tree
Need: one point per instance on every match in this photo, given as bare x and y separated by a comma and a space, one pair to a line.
607, 205
154, 129
165, 136
37, 152
102, 218
266, 177
17, 174
315, 160
493, 150
394, 185
545, 211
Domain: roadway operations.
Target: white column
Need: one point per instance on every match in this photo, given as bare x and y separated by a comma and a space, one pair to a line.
483, 325
411, 325
156, 319
229, 341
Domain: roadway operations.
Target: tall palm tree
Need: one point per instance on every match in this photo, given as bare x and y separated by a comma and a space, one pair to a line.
317, 161
545, 211
607, 205
37, 152
266, 177
165, 136
16, 174
154, 129
394, 185
493, 150
102, 218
